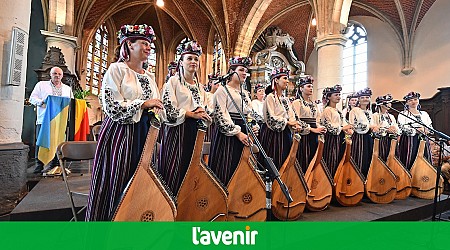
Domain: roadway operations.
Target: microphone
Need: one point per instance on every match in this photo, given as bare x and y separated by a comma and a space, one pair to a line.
223, 78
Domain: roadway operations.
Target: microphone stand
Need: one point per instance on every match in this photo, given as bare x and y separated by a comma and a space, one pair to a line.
441, 138
271, 171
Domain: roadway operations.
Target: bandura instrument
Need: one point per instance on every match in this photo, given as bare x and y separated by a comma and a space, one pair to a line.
146, 198
349, 182
246, 191
381, 182
292, 176
319, 182
423, 179
402, 176
201, 196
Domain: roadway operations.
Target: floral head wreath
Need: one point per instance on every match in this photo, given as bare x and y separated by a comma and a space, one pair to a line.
259, 86
384, 99
143, 31
213, 76
277, 72
364, 92
304, 81
240, 61
191, 47
331, 90
172, 65
411, 95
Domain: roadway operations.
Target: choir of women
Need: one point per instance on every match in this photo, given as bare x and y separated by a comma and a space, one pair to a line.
128, 91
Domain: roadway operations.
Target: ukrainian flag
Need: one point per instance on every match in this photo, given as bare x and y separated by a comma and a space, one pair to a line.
81, 120
53, 128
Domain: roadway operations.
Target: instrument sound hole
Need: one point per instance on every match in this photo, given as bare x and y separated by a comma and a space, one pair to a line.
202, 203
247, 198
425, 178
382, 181
147, 216
349, 182
314, 183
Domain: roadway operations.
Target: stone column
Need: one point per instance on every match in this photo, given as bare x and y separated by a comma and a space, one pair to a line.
67, 44
13, 153
330, 51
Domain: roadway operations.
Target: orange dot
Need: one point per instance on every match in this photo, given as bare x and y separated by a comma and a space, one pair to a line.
247, 228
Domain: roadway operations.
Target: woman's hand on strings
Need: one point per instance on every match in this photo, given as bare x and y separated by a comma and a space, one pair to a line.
243, 138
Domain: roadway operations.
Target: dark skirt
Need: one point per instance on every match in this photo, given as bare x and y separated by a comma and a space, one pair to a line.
385, 146
118, 153
176, 153
276, 144
225, 153
407, 149
307, 149
362, 150
333, 151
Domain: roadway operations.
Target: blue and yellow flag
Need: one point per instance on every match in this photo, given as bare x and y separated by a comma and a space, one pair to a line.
53, 127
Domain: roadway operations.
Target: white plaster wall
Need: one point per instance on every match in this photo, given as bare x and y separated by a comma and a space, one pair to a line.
430, 55
12, 13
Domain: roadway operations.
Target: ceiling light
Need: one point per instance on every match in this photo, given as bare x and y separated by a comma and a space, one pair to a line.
160, 3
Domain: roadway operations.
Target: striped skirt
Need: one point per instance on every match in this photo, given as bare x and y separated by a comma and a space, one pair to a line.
176, 153
276, 144
333, 150
407, 149
362, 150
385, 146
118, 153
307, 149
225, 153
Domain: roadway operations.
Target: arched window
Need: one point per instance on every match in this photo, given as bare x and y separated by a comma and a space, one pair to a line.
97, 60
218, 55
151, 61
355, 59
177, 53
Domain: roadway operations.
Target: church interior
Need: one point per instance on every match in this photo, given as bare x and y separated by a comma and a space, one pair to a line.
390, 46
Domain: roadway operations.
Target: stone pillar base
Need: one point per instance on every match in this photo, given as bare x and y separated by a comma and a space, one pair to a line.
13, 174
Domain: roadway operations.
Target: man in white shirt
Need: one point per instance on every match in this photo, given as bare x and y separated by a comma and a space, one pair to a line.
38, 96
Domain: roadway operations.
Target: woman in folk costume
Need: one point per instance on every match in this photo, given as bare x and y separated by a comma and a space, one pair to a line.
127, 92
307, 111
279, 118
258, 103
352, 100
185, 103
361, 118
230, 133
171, 70
412, 131
336, 126
388, 126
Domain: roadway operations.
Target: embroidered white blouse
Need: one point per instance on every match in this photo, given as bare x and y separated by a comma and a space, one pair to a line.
179, 97
304, 109
124, 91
333, 120
258, 107
223, 106
361, 120
384, 121
408, 126
277, 112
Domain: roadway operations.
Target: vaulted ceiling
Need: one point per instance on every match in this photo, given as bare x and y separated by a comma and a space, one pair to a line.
239, 21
